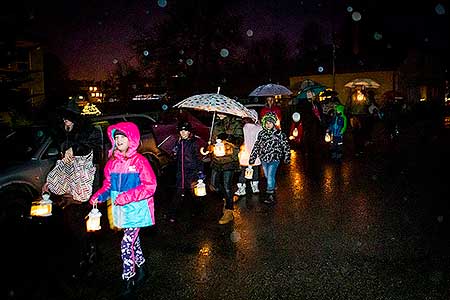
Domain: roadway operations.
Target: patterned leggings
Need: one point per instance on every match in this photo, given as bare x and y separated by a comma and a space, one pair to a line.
131, 252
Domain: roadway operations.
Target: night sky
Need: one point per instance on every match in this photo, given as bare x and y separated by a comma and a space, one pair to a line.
89, 36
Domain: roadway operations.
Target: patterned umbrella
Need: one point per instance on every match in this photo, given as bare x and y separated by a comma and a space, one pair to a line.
364, 82
216, 103
270, 90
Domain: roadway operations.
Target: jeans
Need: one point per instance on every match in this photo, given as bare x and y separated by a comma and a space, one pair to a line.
270, 171
222, 180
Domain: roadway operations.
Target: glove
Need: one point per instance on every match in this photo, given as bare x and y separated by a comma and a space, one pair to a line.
222, 136
201, 175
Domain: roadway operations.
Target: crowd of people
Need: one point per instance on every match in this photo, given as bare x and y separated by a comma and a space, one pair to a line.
253, 150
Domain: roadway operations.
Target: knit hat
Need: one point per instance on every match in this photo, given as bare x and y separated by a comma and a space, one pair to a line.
184, 126
269, 117
118, 132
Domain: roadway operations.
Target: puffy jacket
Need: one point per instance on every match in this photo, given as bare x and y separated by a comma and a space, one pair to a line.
189, 163
271, 145
129, 180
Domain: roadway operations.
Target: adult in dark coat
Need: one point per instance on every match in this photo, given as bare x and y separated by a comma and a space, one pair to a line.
77, 137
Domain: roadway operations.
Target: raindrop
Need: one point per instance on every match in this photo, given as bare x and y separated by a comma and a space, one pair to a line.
320, 69
180, 60
181, 52
115, 61
426, 40
224, 52
440, 219
377, 36
349, 9
249, 33
164, 107
146, 53
162, 3
356, 16
439, 9
100, 23
235, 236
189, 62
389, 46
133, 86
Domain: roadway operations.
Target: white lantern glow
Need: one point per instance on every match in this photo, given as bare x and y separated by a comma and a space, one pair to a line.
328, 137
219, 148
200, 188
248, 172
93, 219
42, 208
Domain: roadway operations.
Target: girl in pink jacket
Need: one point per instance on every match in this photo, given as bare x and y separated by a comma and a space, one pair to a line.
130, 183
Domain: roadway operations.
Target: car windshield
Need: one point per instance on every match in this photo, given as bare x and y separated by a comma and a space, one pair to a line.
22, 143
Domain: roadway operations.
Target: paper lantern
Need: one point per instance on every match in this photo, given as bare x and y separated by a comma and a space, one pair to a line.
328, 137
93, 219
219, 148
248, 172
200, 188
42, 208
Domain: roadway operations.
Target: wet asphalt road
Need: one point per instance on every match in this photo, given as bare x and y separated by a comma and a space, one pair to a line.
373, 227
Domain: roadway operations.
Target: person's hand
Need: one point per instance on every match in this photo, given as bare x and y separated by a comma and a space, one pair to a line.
222, 136
68, 155
201, 175
93, 201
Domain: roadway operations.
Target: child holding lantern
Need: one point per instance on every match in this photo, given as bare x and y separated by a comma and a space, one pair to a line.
189, 166
251, 129
130, 183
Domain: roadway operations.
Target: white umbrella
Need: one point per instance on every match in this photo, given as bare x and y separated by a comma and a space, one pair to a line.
270, 90
216, 103
365, 82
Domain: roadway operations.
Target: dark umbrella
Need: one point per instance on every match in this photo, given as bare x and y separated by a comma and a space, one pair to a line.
314, 89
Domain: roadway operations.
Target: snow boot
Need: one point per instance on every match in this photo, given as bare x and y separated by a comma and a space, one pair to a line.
241, 189
255, 188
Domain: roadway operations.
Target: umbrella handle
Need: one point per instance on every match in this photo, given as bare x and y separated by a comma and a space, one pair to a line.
212, 125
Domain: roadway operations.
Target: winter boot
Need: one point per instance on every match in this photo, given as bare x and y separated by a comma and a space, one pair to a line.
255, 188
141, 273
270, 200
241, 189
227, 217
128, 288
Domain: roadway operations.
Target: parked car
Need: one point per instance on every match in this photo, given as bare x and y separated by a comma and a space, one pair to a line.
30, 152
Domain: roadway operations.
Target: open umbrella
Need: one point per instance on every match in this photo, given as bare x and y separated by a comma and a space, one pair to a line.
363, 82
312, 90
216, 103
270, 90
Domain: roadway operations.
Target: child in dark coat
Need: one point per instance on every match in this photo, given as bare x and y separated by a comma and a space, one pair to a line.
189, 166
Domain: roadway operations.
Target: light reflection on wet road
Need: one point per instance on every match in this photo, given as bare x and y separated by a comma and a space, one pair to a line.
338, 231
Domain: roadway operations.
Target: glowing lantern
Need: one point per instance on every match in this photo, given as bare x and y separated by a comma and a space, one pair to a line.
244, 154
248, 172
328, 137
93, 219
295, 132
200, 188
219, 148
42, 208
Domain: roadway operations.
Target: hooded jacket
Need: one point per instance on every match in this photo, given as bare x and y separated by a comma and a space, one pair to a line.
129, 181
338, 124
271, 144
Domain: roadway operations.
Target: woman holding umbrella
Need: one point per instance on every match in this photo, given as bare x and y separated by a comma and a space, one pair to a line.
229, 130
